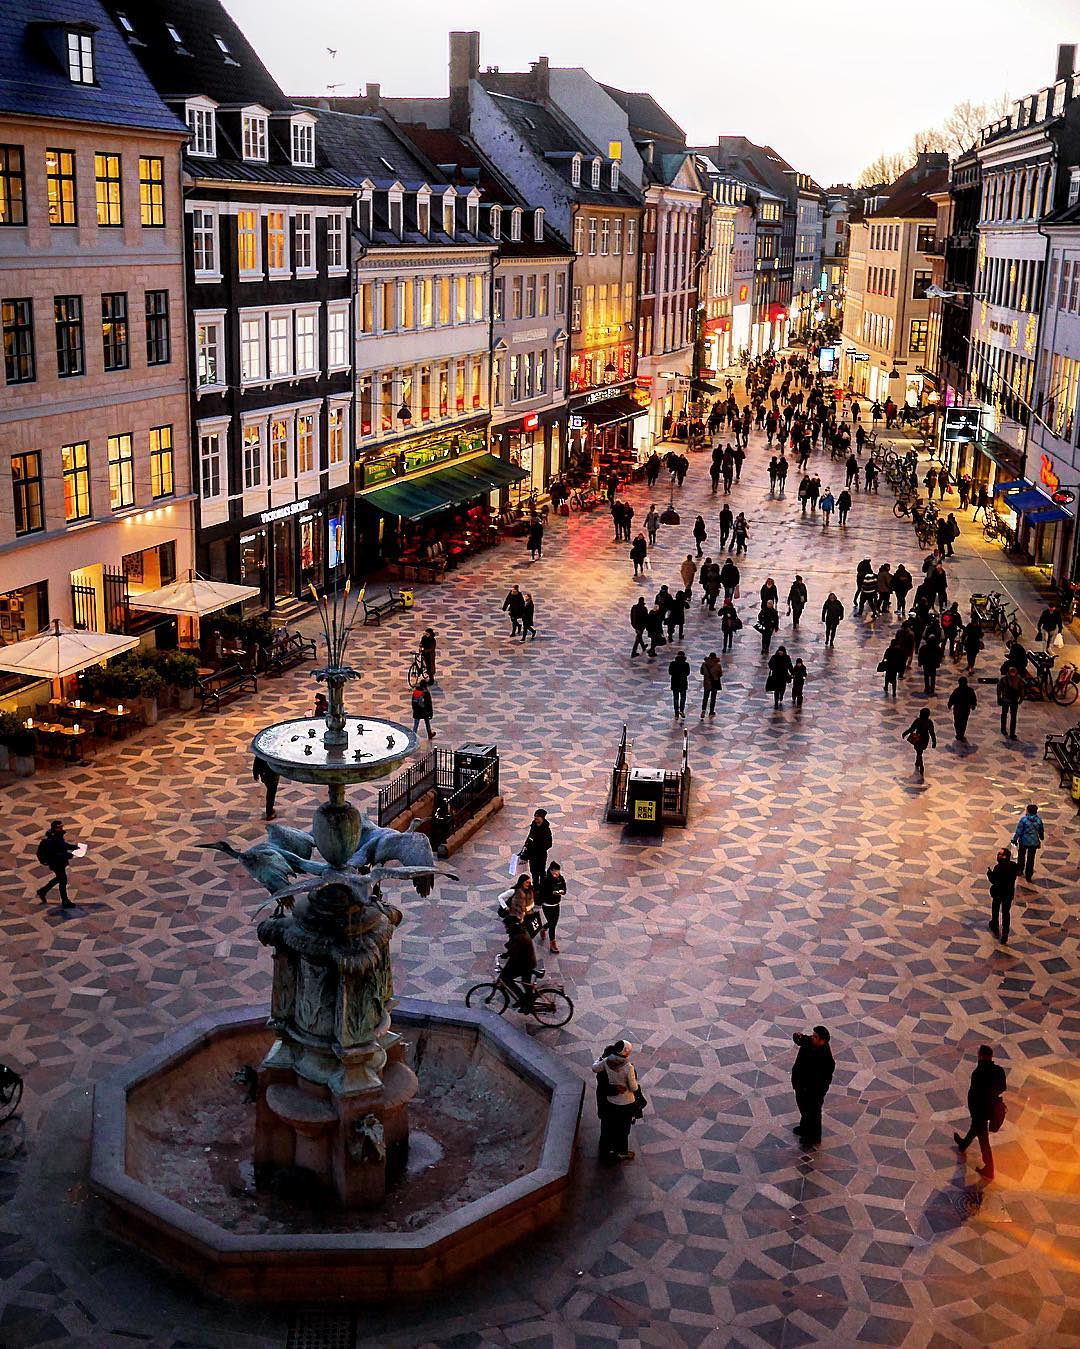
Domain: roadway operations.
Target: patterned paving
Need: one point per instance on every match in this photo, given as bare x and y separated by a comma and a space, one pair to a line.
818, 880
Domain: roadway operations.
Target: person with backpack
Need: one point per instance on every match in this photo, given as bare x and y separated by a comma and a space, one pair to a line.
986, 1108
421, 709
55, 852
1028, 837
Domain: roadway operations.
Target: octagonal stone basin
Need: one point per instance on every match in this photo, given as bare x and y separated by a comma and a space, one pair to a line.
492, 1135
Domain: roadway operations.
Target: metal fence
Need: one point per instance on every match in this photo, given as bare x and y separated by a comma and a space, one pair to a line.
453, 809
460, 791
676, 800
433, 770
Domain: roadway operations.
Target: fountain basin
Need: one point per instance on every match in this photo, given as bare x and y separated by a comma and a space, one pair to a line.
493, 1130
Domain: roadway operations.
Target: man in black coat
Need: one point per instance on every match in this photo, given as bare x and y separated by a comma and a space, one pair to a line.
55, 852
729, 579
639, 621
262, 772
987, 1085
962, 702
832, 611
1002, 877
537, 846
679, 675
811, 1074
514, 605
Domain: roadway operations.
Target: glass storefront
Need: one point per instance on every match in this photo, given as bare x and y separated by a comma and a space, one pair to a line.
420, 453
253, 569
335, 560
311, 551
284, 560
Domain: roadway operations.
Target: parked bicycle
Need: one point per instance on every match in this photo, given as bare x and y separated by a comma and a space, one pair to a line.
546, 1003
995, 616
583, 500
1062, 687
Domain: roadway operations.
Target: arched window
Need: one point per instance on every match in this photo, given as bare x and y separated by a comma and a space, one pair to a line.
575, 171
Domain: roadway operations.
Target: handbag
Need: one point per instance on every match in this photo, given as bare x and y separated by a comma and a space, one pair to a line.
770, 684
996, 1118
640, 1102
882, 667
1057, 642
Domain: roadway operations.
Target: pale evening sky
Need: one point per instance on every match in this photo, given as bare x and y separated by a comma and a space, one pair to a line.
828, 85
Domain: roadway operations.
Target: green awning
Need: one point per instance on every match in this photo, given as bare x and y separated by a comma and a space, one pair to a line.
415, 498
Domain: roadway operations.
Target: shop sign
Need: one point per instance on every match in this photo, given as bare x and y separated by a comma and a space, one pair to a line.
577, 423
283, 512
860, 356
644, 381
1047, 476
530, 422
963, 423
645, 811
744, 292
600, 395
1062, 497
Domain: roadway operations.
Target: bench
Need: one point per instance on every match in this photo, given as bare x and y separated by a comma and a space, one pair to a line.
1064, 749
288, 650
233, 679
376, 610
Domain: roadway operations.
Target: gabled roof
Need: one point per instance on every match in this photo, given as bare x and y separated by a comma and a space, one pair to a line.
908, 197
646, 117
34, 80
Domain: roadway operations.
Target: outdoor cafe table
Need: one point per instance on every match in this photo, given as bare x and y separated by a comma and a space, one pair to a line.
68, 741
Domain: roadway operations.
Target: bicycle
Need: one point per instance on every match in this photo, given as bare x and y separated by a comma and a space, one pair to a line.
548, 1005
417, 670
11, 1090
1061, 688
990, 610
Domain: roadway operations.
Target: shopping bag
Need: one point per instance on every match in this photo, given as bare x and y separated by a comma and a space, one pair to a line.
647, 563
1057, 642
512, 865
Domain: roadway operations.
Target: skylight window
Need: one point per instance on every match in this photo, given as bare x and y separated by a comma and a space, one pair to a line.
125, 23
171, 30
386, 164
223, 46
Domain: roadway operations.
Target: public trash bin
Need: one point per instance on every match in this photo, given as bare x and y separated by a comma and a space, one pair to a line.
645, 800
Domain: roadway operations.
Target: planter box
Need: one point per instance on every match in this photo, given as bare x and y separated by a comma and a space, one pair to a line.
148, 710
184, 699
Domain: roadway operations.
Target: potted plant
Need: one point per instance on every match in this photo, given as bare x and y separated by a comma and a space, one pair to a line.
146, 687
10, 725
181, 670
19, 744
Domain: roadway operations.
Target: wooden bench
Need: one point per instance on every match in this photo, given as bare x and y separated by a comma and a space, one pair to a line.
376, 610
1064, 749
226, 683
288, 650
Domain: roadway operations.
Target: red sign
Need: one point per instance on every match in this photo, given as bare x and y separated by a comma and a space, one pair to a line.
777, 313
1047, 474
718, 325
644, 381
530, 422
744, 291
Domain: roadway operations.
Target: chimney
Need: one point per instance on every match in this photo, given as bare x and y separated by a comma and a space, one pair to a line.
1066, 60
464, 67
373, 95
541, 79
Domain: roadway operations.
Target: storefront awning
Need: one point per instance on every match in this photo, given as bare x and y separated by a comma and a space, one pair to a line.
1013, 485
1046, 515
416, 498
618, 409
1027, 498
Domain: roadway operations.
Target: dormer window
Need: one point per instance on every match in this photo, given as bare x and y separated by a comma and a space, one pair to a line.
595, 178
396, 214
449, 215
365, 212
423, 213
473, 215
201, 120
515, 224
575, 171
615, 176
495, 222
303, 142
538, 225
80, 54
254, 126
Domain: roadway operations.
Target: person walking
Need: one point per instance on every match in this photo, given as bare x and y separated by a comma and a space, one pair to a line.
832, 611
726, 520
700, 534
262, 772
55, 853
730, 623
930, 654
514, 605
1028, 837
639, 621
1002, 877
986, 1108
811, 1074
1051, 626
952, 627
1010, 694
729, 579
892, 665
655, 626
687, 573
804, 492
740, 532
712, 673
972, 643
782, 467
535, 540
639, 551
679, 675
768, 622
527, 611
618, 1101
797, 597
843, 505
421, 709
768, 592
536, 847
550, 893
798, 682
827, 503
852, 467
962, 702
652, 524
814, 491
714, 472
781, 671
921, 734
675, 617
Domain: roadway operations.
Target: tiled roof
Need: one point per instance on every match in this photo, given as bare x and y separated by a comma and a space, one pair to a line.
198, 65
646, 116
236, 170
908, 197
33, 72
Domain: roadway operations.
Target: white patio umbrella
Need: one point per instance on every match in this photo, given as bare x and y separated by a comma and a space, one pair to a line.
193, 597
62, 651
